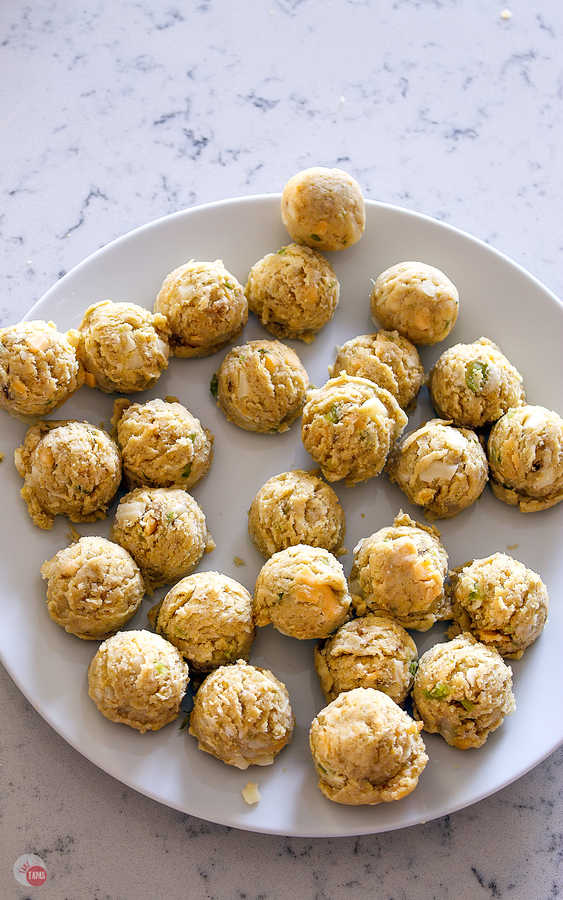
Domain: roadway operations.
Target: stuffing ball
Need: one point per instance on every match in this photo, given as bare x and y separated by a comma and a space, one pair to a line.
474, 384
387, 359
39, 368
462, 691
366, 749
165, 532
294, 292
525, 452
296, 508
370, 652
302, 591
400, 571
417, 300
261, 386
439, 467
69, 469
500, 602
349, 426
323, 208
123, 347
242, 716
205, 307
162, 444
139, 679
208, 617
93, 588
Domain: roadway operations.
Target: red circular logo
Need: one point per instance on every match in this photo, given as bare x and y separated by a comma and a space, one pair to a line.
36, 875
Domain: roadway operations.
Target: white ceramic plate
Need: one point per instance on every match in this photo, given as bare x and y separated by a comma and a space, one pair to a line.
499, 300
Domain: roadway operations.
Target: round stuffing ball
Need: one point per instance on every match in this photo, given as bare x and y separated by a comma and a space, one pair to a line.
386, 358
525, 452
323, 208
417, 300
302, 591
205, 307
369, 652
294, 292
349, 426
366, 749
400, 571
439, 467
242, 716
500, 602
165, 532
39, 368
123, 347
162, 444
139, 679
93, 588
261, 386
474, 384
296, 508
70, 469
462, 691
208, 617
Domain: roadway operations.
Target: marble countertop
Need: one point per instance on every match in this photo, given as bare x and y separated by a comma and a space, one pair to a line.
115, 114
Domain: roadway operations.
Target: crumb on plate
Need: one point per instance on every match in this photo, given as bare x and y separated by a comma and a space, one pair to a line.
250, 793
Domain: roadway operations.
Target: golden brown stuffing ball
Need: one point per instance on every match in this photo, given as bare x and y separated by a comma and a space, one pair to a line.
261, 386
500, 601
70, 469
39, 368
386, 358
137, 678
323, 208
366, 749
296, 508
439, 467
525, 452
242, 716
400, 571
462, 691
372, 652
349, 426
294, 292
205, 307
417, 300
302, 591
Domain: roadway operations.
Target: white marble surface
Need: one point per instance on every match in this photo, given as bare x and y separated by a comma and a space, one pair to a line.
115, 113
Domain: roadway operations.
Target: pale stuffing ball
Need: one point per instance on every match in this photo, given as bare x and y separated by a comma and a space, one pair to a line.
417, 300
462, 691
500, 602
296, 508
93, 588
164, 530
70, 469
323, 208
439, 467
525, 451
386, 358
373, 651
302, 591
474, 384
400, 571
261, 386
139, 679
366, 749
242, 715
39, 368
208, 617
123, 347
294, 292
205, 307
349, 426
162, 444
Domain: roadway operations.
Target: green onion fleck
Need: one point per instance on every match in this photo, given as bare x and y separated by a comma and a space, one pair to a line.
192, 436
186, 472
467, 705
476, 375
229, 284
438, 692
316, 237
333, 415
413, 667
214, 385
282, 251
